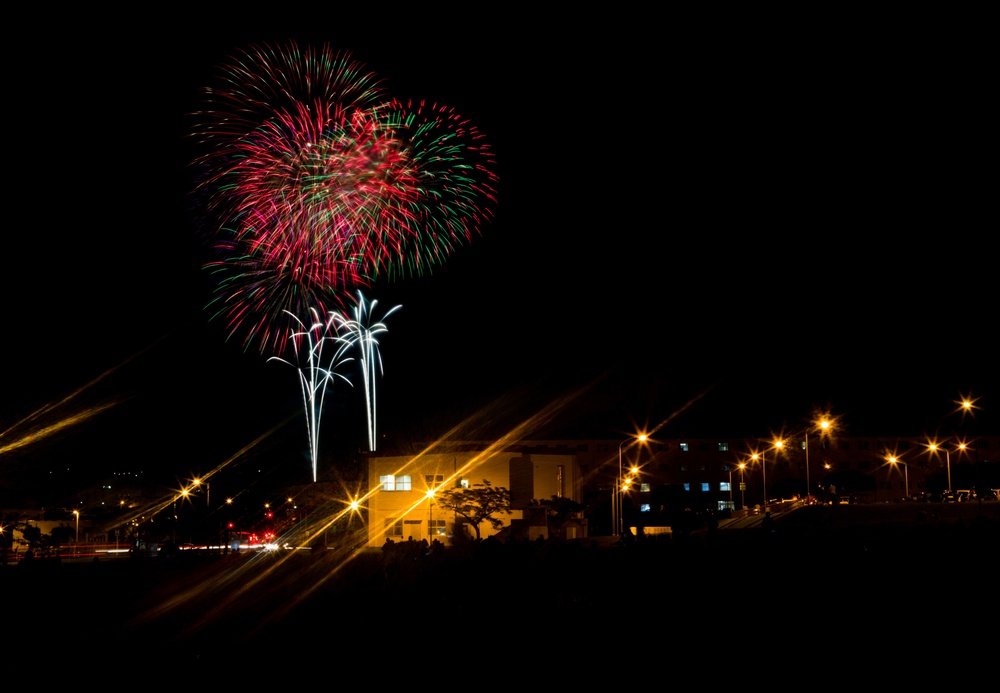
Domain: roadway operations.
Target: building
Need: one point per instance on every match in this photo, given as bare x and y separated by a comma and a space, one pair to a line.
663, 477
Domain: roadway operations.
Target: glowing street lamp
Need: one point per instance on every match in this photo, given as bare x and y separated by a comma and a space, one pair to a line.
208, 489
743, 505
618, 496
77, 514
430, 514
933, 447
893, 460
777, 445
824, 425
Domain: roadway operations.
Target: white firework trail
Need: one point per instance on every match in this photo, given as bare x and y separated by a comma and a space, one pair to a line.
315, 373
363, 335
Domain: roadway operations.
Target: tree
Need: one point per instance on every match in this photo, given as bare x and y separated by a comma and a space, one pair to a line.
558, 511
477, 504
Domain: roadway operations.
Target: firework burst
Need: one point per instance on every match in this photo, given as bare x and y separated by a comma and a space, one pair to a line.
317, 184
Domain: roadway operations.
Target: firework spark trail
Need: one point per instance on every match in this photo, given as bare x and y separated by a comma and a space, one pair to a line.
316, 375
363, 335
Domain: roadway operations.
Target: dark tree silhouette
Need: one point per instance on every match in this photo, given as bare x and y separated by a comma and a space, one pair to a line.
477, 504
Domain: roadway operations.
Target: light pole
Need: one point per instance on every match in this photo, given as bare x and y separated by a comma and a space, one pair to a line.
743, 504
892, 459
77, 514
618, 496
430, 515
777, 445
824, 429
730, 488
934, 447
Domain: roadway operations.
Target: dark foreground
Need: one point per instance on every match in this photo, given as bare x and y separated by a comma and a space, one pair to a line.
822, 587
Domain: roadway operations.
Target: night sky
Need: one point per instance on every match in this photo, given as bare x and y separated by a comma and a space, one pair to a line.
711, 229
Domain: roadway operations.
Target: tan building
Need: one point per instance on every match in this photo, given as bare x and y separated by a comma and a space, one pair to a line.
401, 505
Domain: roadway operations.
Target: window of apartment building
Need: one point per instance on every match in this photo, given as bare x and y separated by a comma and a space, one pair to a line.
390, 482
687, 486
644, 488
436, 528
723, 447
724, 486
464, 483
393, 527
684, 447
644, 508
706, 487
432, 479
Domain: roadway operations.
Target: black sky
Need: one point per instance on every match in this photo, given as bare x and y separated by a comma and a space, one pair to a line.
765, 218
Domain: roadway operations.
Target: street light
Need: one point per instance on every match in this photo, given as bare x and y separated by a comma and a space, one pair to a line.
730, 488
824, 426
77, 513
892, 459
743, 505
430, 515
778, 444
933, 447
618, 496
208, 490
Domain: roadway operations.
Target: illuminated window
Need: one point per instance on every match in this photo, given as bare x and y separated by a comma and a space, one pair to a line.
644, 508
436, 528
644, 488
684, 447
705, 486
389, 482
724, 486
687, 486
464, 483
723, 447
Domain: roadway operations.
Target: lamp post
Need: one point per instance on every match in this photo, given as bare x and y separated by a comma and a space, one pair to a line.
892, 459
430, 515
743, 505
934, 447
77, 514
777, 445
824, 426
730, 488
618, 494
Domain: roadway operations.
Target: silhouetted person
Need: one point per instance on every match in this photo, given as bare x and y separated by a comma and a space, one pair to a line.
767, 524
